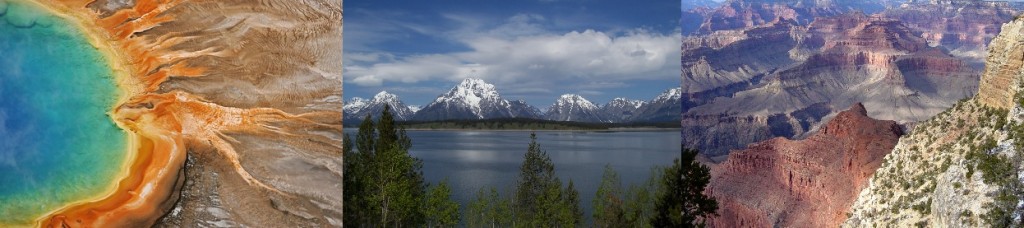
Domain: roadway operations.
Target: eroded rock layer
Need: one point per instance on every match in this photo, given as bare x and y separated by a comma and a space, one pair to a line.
962, 26
961, 168
802, 183
784, 77
234, 109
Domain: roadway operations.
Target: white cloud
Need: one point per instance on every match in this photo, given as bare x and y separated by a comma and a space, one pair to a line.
520, 54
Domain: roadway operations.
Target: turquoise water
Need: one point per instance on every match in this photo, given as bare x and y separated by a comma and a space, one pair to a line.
57, 143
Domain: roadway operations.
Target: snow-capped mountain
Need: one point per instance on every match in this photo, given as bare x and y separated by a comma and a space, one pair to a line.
665, 107
622, 109
572, 107
523, 110
472, 99
475, 99
357, 108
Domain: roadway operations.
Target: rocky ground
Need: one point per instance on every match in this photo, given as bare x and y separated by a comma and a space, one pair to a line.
257, 82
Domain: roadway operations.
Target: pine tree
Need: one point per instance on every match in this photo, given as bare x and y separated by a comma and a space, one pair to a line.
535, 177
573, 213
477, 211
488, 209
607, 202
383, 185
399, 182
638, 206
684, 203
358, 210
540, 200
440, 210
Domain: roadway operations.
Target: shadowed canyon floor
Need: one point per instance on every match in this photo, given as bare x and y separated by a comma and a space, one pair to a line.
233, 110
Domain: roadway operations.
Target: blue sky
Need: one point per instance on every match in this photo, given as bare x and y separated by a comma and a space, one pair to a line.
531, 50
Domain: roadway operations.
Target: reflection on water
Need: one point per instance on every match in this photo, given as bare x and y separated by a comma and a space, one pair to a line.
474, 159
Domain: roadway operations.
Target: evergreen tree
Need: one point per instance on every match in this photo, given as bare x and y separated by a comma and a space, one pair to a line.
441, 211
399, 182
358, 211
383, 185
489, 210
684, 203
608, 202
572, 214
539, 200
477, 211
502, 214
535, 176
638, 205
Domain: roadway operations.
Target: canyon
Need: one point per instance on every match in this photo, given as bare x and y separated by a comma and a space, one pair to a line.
785, 75
962, 167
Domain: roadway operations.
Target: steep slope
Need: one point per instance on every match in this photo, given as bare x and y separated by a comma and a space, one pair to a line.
622, 109
357, 108
521, 109
470, 99
810, 182
664, 107
961, 168
833, 63
962, 26
572, 107
728, 59
746, 14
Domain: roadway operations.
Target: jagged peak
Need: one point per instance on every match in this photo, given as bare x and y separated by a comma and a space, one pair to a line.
354, 104
573, 99
384, 95
622, 101
570, 96
476, 84
473, 88
357, 100
670, 94
858, 108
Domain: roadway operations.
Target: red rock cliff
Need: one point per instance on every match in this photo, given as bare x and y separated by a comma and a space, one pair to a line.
803, 183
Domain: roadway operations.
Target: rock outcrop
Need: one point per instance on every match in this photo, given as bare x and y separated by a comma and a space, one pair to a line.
1003, 67
963, 167
810, 182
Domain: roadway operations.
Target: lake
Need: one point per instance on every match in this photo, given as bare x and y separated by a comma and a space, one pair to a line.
474, 159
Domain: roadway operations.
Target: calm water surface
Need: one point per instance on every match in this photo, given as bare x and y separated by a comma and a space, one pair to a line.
474, 159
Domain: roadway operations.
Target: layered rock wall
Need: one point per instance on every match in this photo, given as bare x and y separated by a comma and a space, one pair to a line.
810, 182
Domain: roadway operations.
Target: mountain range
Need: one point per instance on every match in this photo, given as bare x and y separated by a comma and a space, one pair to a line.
475, 99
